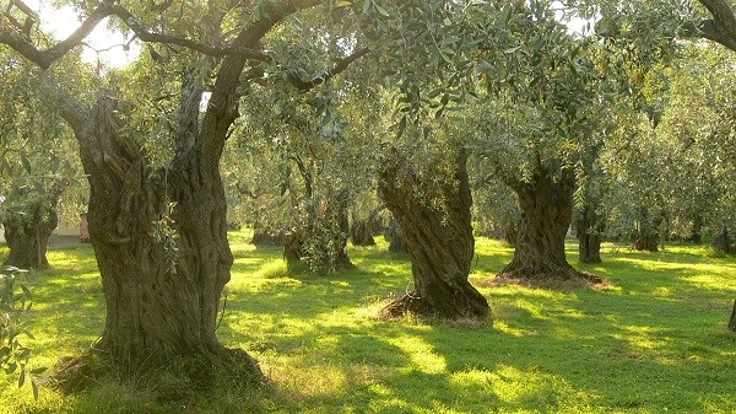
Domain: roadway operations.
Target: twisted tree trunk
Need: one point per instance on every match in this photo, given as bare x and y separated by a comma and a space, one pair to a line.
262, 237
160, 236
28, 238
511, 233
440, 244
322, 244
546, 213
27, 231
319, 242
163, 269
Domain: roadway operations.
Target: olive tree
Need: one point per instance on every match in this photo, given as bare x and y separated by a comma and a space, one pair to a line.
545, 108
158, 225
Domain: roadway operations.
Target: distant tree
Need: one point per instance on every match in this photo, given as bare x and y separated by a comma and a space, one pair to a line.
37, 163
546, 107
495, 207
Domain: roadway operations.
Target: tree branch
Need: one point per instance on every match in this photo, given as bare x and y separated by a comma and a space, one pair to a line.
151, 37
338, 68
722, 28
45, 58
223, 105
71, 110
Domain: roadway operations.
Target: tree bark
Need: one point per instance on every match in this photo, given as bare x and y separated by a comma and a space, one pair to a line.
28, 238
162, 269
511, 233
546, 214
589, 228
696, 231
322, 243
732, 321
647, 239
440, 244
160, 236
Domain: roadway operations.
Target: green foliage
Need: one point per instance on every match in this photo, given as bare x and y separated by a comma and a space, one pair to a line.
15, 299
38, 161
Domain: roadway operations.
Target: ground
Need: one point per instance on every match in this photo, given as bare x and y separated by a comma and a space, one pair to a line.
655, 341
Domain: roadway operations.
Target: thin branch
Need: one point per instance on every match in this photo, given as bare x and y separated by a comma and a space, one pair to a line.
151, 37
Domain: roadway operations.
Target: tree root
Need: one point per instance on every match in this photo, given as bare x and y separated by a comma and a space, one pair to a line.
176, 379
406, 304
411, 304
565, 278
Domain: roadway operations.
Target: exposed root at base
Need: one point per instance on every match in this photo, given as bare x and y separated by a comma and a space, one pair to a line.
177, 379
410, 304
406, 304
562, 281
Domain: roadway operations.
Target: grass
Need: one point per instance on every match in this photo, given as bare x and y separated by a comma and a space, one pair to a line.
655, 342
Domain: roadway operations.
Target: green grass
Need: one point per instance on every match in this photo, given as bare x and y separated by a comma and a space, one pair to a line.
655, 342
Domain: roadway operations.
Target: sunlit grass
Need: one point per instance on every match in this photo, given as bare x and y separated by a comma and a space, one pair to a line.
654, 342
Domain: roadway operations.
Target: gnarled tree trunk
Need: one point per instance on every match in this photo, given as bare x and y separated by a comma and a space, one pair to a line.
322, 242
440, 244
262, 237
160, 239
696, 231
511, 233
546, 213
160, 236
28, 238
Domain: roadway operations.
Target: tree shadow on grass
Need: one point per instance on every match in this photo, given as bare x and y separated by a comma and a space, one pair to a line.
633, 348
548, 350
555, 360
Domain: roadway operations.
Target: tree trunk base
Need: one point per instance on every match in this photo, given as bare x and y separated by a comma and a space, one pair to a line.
177, 379
558, 278
266, 239
473, 308
732, 321
650, 245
